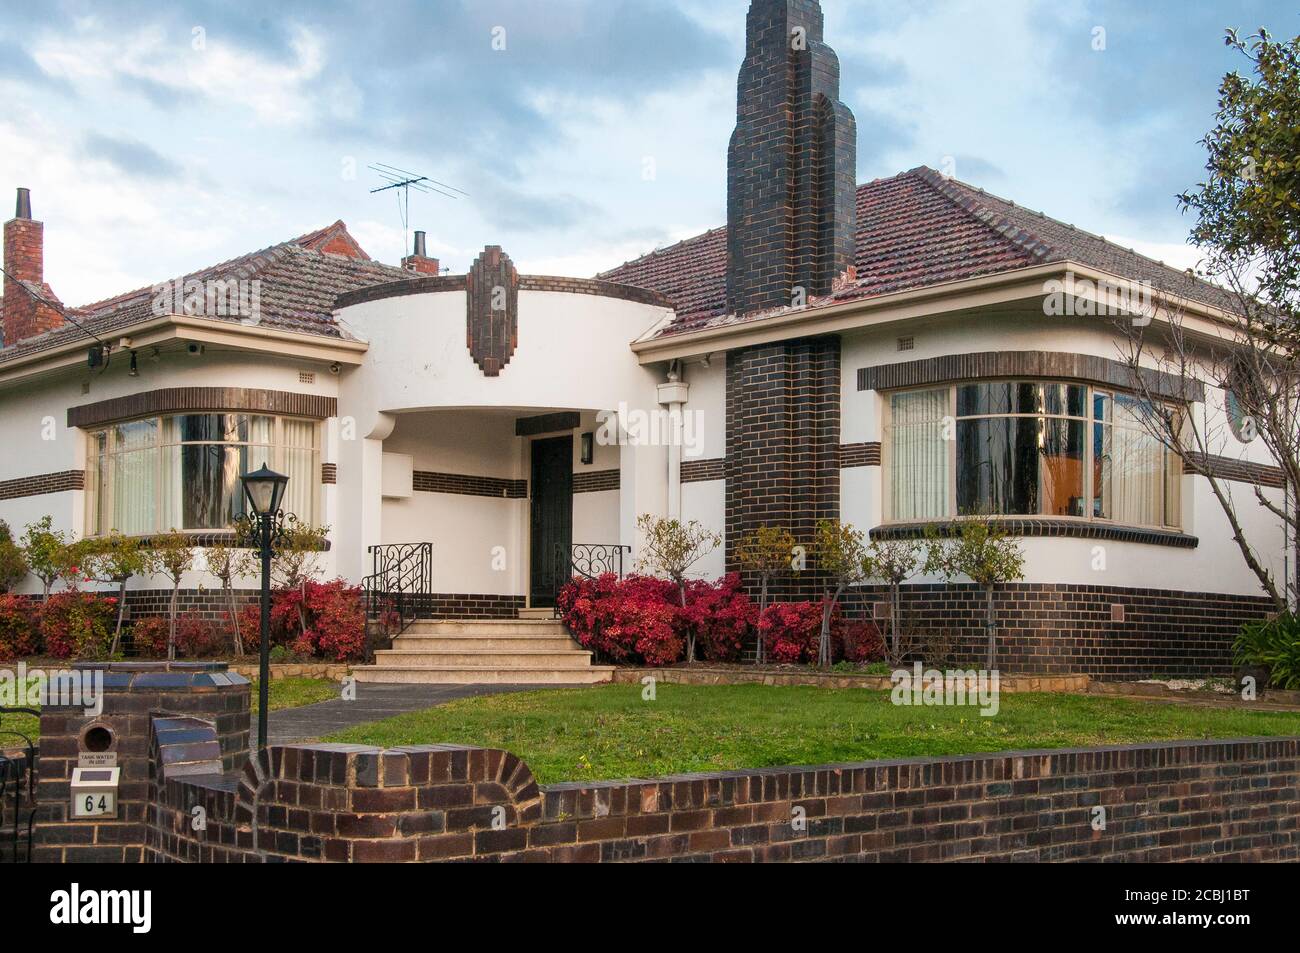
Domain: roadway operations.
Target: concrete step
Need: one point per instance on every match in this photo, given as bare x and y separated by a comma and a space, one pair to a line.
475, 643
454, 675
537, 613
487, 658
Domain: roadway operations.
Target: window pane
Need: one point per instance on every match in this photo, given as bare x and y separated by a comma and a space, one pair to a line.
1173, 488
300, 492
200, 427
135, 491
1135, 471
996, 397
209, 485
1101, 492
918, 456
997, 466
1062, 467
1066, 400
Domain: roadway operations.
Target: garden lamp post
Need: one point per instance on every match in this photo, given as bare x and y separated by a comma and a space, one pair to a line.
264, 489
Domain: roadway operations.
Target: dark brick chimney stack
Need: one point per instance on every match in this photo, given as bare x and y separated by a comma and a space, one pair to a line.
24, 256
792, 163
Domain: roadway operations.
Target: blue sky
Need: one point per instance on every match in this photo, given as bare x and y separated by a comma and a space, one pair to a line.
159, 138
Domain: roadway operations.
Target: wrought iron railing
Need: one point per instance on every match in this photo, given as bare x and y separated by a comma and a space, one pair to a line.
17, 791
400, 585
588, 560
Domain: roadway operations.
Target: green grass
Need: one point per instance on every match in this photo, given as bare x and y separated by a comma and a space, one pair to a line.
608, 732
285, 693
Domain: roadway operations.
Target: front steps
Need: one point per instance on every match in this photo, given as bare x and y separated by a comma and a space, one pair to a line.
484, 652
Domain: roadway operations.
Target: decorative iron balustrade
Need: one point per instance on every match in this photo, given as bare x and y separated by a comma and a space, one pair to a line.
588, 560
17, 791
400, 585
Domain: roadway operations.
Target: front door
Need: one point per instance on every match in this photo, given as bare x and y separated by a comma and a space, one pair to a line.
551, 522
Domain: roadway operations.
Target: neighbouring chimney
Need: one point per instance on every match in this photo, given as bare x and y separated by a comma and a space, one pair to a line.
791, 165
24, 316
418, 261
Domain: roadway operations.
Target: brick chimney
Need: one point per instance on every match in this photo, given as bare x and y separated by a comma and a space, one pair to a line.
24, 255
418, 261
792, 163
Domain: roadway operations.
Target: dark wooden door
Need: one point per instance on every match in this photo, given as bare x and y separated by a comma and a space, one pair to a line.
551, 522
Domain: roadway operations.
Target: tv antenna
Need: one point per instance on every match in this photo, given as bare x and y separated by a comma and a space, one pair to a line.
404, 180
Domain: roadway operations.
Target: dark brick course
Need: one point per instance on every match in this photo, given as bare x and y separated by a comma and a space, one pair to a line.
594, 481
42, 484
465, 485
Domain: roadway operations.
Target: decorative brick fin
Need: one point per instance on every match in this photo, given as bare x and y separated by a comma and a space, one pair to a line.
492, 302
783, 444
792, 163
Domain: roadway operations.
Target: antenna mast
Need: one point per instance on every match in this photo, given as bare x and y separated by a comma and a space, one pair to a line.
404, 180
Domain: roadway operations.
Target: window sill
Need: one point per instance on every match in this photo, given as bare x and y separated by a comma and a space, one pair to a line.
1045, 526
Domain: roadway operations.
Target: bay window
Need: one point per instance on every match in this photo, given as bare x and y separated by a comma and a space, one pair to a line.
1027, 448
182, 471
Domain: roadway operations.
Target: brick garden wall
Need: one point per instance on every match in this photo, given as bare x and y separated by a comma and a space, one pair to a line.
1216, 800
1058, 629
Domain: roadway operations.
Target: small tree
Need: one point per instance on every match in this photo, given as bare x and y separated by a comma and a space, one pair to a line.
172, 555
893, 562
114, 559
984, 553
46, 552
840, 556
226, 562
768, 552
670, 548
13, 567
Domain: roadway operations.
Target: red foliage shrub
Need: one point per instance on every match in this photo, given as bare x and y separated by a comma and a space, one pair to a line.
791, 630
75, 624
861, 642
197, 637
722, 615
630, 620
335, 621
18, 633
149, 636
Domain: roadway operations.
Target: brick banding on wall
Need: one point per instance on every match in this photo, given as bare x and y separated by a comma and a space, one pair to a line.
1087, 368
702, 471
595, 481
329, 473
461, 605
1050, 527
1238, 471
42, 484
859, 455
431, 285
1066, 629
783, 441
424, 481
170, 400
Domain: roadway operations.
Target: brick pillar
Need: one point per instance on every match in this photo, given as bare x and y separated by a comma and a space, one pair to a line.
783, 436
131, 693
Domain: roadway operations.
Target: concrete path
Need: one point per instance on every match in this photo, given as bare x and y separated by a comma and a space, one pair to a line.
373, 703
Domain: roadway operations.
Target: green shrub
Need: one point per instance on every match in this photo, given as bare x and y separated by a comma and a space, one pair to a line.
1273, 644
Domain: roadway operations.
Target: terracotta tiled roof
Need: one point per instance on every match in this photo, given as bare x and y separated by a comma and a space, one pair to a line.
915, 230
299, 282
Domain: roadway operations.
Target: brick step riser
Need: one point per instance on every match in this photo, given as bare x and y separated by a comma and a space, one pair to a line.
519, 629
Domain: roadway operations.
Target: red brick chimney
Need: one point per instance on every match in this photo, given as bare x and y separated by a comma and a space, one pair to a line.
418, 262
23, 315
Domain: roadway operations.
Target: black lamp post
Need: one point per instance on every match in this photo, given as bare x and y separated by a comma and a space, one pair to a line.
264, 490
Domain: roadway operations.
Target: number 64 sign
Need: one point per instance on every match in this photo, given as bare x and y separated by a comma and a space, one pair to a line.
94, 792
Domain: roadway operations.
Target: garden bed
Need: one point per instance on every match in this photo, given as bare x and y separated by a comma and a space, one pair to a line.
610, 732
741, 674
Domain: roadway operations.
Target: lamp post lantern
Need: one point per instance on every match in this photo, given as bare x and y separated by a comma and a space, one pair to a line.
264, 489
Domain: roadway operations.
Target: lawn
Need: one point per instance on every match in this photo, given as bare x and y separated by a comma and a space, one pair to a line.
285, 693
608, 732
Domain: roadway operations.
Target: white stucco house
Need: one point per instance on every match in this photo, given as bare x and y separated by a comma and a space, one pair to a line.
888, 354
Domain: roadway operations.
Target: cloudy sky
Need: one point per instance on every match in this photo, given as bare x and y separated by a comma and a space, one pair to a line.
157, 138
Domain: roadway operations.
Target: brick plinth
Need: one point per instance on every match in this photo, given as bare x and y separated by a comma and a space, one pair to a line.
131, 692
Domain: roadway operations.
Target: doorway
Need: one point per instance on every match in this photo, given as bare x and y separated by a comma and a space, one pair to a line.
551, 516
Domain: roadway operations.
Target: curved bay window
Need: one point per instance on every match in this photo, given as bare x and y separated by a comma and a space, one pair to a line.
182, 472
1028, 448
